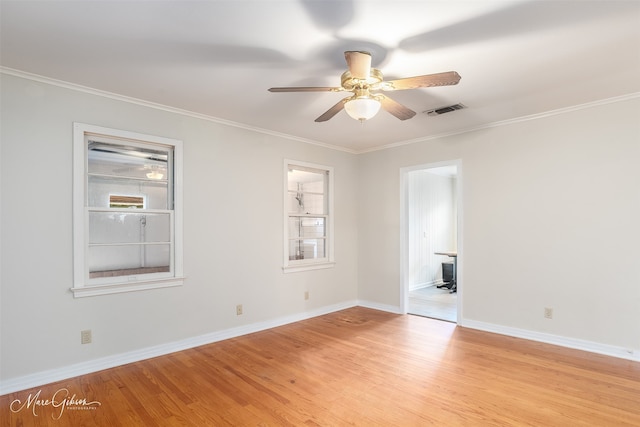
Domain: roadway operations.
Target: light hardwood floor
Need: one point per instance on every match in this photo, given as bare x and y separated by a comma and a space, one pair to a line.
354, 367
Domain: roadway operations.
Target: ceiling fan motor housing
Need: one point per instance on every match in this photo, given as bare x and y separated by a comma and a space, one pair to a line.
348, 82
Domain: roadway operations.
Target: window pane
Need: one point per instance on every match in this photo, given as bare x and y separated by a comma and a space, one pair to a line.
118, 201
308, 210
296, 202
116, 227
306, 227
314, 203
127, 161
101, 190
306, 191
309, 203
121, 260
126, 235
306, 249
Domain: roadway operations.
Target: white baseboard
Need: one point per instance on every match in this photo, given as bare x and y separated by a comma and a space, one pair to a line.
90, 366
578, 344
377, 306
425, 285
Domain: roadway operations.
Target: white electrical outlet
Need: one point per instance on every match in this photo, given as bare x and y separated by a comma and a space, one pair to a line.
548, 313
85, 336
238, 309
306, 295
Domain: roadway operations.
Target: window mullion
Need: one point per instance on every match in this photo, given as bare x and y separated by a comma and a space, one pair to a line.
130, 211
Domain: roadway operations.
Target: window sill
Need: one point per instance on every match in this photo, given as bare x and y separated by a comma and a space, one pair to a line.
93, 290
306, 267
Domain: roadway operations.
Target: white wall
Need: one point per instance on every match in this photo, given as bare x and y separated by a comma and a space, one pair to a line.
556, 200
551, 219
233, 199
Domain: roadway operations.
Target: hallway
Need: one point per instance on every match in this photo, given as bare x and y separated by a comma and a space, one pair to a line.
434, 303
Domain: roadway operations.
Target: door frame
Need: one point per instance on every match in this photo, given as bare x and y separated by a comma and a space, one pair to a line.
404, 233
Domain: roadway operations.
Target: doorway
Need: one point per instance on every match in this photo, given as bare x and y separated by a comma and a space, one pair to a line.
430, 240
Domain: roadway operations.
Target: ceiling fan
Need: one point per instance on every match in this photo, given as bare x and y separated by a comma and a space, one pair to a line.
365, 83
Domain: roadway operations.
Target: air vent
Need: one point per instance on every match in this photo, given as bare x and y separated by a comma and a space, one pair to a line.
443, 110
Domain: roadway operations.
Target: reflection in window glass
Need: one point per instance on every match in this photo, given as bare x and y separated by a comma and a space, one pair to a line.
124, 176
127, 211
307, 215
126, 202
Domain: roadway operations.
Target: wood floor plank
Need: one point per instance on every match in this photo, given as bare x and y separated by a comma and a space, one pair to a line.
357, 367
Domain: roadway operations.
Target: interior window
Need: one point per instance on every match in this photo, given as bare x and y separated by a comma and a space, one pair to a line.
125, 212
308, 216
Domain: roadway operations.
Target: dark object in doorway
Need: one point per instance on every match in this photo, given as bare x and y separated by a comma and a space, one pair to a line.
447, 275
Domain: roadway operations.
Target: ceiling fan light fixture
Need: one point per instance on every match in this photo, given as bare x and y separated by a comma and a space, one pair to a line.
366, 83
362, 108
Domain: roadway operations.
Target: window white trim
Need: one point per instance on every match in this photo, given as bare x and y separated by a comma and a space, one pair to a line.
81, 284
308, 267
292, 266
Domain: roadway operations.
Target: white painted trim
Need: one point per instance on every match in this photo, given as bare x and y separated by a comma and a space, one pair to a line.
123, 98
83, 368
90, 366
578, 344
82, 285
329, 261
178, 213
156, 106
404, 239
299, 268
423, 285
379, 306
508, 122
460, 241
115, 288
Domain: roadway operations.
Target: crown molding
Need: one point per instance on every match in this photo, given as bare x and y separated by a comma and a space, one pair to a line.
157, 106
162, 107
508, 122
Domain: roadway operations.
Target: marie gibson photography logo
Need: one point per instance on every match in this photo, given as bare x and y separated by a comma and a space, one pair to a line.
61, 400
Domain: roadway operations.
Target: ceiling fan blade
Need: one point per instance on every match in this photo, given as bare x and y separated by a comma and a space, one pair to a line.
440, 79
396, 109
333, 110
359, 64
305, 89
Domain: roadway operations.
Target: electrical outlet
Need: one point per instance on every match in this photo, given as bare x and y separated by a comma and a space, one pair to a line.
548, 313
85, 336
238, 309
306, 295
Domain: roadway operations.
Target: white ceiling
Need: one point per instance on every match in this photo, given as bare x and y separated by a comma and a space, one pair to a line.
218, 58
